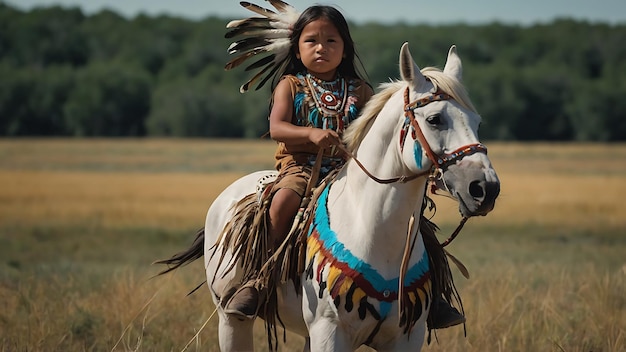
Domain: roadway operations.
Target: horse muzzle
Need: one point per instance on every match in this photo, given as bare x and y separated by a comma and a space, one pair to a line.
475, 187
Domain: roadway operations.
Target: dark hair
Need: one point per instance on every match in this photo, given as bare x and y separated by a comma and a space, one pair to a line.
347, 66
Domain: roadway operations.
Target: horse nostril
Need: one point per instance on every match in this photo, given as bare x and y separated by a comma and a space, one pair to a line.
476, 190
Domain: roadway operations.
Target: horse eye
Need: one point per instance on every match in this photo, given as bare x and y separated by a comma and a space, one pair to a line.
434, 119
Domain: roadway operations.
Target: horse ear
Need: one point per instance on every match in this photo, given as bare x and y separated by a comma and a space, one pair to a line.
453, 64
408, 69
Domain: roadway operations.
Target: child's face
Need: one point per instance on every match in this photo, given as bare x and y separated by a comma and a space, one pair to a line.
320, 48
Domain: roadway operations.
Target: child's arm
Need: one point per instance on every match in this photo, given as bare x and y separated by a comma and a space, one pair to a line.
283, 130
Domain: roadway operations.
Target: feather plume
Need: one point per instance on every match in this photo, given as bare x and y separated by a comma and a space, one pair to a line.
249, 22
259, 31
248, 44
258, 9
261, 62
244, 88
254, 36
458, 264
282, 6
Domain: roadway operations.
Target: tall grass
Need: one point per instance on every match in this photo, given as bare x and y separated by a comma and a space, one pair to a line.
81, 221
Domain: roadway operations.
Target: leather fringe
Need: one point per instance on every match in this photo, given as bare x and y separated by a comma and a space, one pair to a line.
441, 276
247, 236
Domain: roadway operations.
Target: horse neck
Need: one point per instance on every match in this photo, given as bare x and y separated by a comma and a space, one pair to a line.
379, 213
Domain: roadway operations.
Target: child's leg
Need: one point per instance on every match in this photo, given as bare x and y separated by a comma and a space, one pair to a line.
283, 209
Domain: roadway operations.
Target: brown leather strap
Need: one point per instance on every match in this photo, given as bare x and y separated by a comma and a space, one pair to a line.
315, 173
410, 114
455, 233
408, 249
383, 181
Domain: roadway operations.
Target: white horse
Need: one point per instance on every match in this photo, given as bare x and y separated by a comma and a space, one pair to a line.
422, 126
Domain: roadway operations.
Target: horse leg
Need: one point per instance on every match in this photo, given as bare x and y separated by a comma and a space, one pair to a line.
413, 343
235, 334
307, 345
326, 337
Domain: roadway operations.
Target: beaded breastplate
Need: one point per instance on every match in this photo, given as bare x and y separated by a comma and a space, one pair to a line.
322, 104
354, 284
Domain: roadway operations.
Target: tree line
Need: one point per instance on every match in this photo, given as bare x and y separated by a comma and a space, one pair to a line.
64, 73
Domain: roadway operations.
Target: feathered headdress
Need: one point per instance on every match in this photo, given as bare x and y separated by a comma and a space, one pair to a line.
262, 35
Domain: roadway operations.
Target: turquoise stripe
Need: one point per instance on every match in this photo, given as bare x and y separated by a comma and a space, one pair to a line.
329, 241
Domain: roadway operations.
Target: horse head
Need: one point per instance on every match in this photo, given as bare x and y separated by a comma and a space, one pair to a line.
443, 125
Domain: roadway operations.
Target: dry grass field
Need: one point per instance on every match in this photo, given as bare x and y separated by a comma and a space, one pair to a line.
81, 221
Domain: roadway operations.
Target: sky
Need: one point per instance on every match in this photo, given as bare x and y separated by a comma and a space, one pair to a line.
523, 12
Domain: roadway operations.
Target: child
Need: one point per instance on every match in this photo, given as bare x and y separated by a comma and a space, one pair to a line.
317, 96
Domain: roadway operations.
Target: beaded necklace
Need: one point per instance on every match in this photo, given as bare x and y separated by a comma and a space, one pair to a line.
330, 98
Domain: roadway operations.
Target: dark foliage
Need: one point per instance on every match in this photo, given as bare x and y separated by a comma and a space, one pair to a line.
67, 74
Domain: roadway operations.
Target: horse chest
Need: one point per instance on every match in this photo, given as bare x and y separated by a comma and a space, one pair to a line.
357, 290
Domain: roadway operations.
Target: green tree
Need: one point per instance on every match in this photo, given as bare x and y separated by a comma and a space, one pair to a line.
108, 34
47, 36
598, 111
31, 100
64, 73
196, 107
109, 100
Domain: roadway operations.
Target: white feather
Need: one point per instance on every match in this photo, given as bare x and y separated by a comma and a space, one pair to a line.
268, 34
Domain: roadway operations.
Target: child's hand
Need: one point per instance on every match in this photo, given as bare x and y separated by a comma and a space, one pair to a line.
324, 138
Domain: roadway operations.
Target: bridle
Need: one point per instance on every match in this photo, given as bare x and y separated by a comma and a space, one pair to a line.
439, 162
